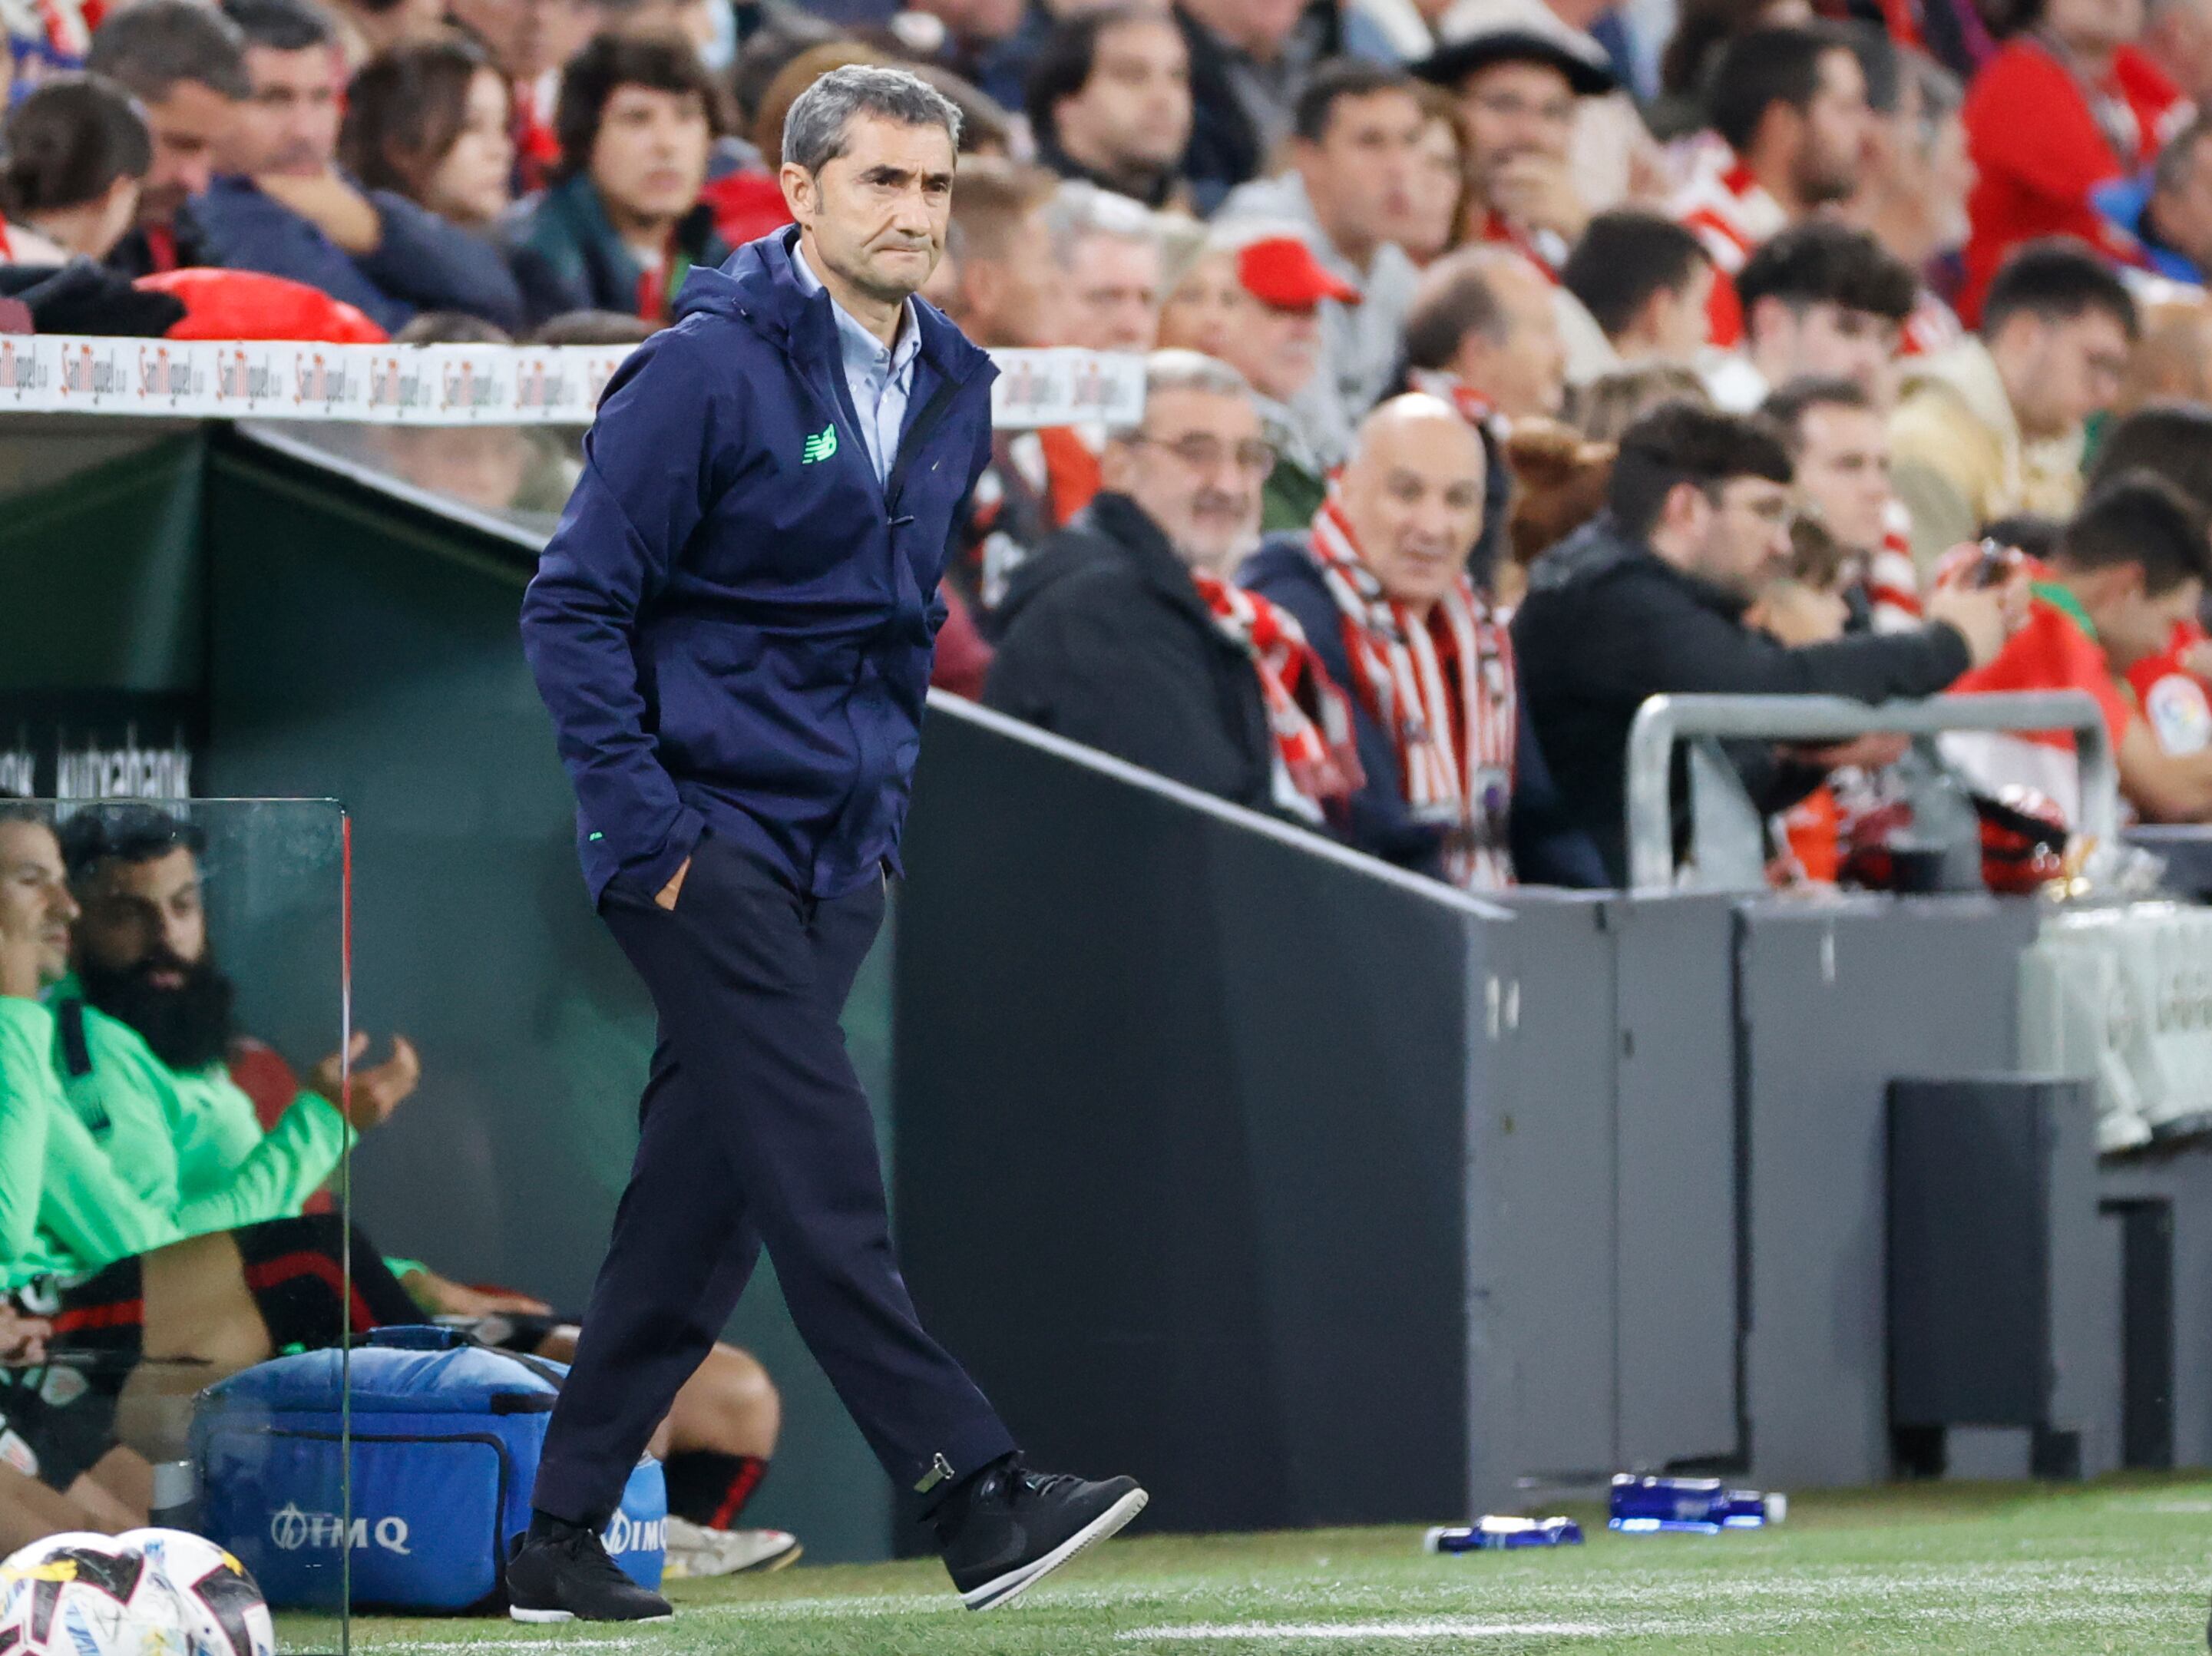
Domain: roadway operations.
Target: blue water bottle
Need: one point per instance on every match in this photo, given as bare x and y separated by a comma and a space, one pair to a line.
1494, 1534
1648, 1506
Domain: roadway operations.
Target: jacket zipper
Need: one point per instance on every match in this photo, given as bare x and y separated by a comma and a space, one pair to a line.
931, 414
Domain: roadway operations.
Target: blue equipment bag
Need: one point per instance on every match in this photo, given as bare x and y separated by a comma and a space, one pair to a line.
446, 1435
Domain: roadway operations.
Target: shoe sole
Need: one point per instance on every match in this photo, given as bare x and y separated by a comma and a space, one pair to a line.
1004, 1589
516, 1613
768, 1565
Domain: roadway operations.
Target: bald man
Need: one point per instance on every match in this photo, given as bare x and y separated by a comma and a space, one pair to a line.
1484, 334
1453, 786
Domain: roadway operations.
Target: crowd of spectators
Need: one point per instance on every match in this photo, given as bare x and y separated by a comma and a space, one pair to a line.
1513, 360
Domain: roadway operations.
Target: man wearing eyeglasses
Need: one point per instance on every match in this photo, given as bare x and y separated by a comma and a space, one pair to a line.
1106, 637
1648, 599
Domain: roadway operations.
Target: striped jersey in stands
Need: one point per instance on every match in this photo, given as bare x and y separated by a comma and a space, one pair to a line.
1731, 213
1892, 580
1546, 250
1933, 326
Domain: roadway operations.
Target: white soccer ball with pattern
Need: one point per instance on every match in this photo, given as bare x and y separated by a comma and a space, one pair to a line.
80, 1594
225, 1614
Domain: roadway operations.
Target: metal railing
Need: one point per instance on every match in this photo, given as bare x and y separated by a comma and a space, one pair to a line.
1727, 845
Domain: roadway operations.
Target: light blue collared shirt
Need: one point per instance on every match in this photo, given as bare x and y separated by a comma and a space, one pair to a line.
880, 376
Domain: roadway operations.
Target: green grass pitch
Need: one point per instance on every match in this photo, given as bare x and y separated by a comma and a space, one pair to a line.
2119, 1566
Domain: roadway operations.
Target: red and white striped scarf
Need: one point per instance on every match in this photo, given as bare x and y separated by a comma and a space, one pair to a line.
1317, 747
1729, 210
1469, 403
1892, 581
1453, 729
1932, 328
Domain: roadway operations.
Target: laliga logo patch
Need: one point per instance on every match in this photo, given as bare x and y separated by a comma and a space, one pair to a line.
2178, 711
62, 1386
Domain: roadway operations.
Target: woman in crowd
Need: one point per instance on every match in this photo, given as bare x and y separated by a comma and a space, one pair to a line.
1559, 478
1604, 407
429, 120
1441, 192
623, 223
72, 156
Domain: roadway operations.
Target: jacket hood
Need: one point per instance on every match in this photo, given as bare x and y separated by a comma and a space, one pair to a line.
1595, 549
1601, 549
755, 286
1044, 569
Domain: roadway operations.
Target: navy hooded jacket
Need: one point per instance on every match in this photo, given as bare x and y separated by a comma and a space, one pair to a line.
732, 625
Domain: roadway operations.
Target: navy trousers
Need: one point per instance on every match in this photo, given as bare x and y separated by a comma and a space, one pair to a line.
753, 1130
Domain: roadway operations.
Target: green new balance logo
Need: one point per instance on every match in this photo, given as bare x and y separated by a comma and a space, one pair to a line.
821, 446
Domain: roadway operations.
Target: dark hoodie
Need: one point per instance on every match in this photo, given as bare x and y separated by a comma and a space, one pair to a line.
732, 625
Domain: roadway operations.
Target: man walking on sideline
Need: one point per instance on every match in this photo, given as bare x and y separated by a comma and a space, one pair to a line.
732, 630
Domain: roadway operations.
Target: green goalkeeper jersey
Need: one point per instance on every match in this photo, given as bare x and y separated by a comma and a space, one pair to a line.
178, 1136
29, 1095
64, 1206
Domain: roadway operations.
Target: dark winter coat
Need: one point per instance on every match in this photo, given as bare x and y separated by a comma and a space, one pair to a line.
421, 263
1104, 639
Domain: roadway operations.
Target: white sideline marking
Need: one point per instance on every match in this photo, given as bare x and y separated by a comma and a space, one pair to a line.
464, 1646
1455, 1627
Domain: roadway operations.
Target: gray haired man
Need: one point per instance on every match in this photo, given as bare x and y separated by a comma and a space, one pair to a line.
733, 630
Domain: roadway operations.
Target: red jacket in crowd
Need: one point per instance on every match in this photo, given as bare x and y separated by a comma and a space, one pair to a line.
2040, 150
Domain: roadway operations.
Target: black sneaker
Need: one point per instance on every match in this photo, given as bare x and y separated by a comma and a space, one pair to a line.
568, 1577
1007, 1528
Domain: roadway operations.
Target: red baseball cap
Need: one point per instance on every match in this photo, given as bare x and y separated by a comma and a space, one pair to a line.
1282, 271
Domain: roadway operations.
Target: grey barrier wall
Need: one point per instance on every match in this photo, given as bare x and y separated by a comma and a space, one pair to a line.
2003, 1311
1835, 1002
2173, 1187
1309, 1191
1622, 1095
1186, 1103
1240, 1167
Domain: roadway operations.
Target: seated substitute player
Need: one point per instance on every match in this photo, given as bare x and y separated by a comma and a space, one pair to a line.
147, 1314
150, 1061
30, 1508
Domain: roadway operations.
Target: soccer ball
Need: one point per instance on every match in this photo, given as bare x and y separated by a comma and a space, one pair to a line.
79, 1594
225, 1614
